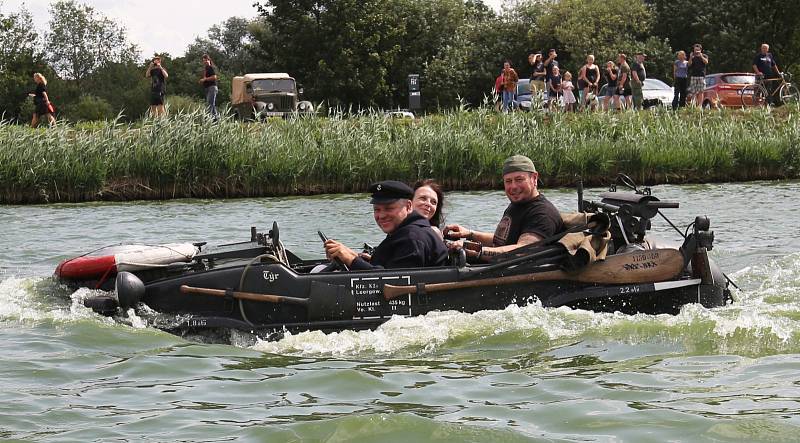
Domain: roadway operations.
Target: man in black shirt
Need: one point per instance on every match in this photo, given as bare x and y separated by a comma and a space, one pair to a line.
638, 75
697, 73
158, 75
410, 242
549, 64
529, 218
764, 64
209, 82
538, 72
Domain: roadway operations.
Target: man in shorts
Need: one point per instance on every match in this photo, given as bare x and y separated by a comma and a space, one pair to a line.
697, 74
623, 94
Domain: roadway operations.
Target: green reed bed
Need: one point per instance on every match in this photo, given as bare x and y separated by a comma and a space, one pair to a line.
188, 156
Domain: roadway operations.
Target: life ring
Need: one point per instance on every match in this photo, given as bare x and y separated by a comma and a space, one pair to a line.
110, 260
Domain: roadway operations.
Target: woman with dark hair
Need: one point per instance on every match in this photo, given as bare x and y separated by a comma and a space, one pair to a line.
428, 200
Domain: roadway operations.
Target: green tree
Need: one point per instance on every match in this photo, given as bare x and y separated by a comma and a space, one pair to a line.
731, 30
230, 44
20, 57
603, 28
80, 41
466, 68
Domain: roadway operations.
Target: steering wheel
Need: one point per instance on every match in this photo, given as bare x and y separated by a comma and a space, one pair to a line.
335, 264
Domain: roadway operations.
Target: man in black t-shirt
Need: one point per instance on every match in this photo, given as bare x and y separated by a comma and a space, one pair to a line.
538, 72
638, 75
550, 63
764, 64
697, 73
158, 88
209, 82
529, 218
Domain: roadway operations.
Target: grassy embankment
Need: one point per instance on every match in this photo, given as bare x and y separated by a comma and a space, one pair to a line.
186, 156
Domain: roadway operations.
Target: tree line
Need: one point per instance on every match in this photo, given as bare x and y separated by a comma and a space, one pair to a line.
357, 54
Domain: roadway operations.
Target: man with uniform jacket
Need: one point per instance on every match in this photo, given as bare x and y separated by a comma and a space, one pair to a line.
410, 242
529, 217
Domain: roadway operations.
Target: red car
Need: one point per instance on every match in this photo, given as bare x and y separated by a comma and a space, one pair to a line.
725, 89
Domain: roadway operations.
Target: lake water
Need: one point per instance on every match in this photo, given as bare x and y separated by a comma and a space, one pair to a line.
516, 375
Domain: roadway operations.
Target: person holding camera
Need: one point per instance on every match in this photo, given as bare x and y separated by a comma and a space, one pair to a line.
697, 74
209, 82
158, 88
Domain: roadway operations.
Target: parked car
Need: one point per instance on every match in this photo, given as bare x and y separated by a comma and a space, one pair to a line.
655, 93
524, 99
400, 114
725, 89
267, 95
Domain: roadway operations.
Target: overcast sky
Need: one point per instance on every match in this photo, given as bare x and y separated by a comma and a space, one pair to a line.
158, 25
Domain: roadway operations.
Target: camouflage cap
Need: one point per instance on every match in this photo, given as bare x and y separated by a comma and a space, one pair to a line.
518, 163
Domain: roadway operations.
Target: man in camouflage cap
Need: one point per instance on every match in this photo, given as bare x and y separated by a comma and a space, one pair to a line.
529, 217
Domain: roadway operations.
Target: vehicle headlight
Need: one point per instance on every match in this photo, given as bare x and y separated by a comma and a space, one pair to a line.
302, 106
270, 106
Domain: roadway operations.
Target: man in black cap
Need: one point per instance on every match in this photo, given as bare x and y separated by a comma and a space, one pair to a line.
529, 218
410, 242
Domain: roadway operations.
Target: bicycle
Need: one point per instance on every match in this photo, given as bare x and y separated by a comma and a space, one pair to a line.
757, 94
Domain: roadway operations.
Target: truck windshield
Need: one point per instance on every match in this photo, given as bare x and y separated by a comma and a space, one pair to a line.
273, 85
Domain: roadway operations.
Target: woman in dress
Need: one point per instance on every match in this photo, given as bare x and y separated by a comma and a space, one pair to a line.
41, 102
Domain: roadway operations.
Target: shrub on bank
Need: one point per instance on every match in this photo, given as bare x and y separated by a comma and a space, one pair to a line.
187, 155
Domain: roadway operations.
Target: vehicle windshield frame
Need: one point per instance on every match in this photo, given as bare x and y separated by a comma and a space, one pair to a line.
267, 85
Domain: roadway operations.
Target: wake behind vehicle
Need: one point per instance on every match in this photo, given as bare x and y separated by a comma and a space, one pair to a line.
259, 286
267, 95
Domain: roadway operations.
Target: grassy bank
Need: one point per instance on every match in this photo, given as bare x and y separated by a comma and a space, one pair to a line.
186, 156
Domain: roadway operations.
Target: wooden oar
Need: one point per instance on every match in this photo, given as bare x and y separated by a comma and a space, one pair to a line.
324, 301
635, 267
269, 298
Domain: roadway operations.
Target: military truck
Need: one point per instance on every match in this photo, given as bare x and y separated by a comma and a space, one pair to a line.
267, 95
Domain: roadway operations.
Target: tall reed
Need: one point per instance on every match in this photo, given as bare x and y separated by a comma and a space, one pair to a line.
187, 155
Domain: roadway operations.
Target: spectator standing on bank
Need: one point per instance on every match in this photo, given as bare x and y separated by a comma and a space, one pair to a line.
589, 81
550, 63
209, 82
623, 94
41, 102
554, 85
567, 88
764, 64
158, 87
638, 75
680, 77
610, 76
538, 72
498, 92
697, 73
510, 79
